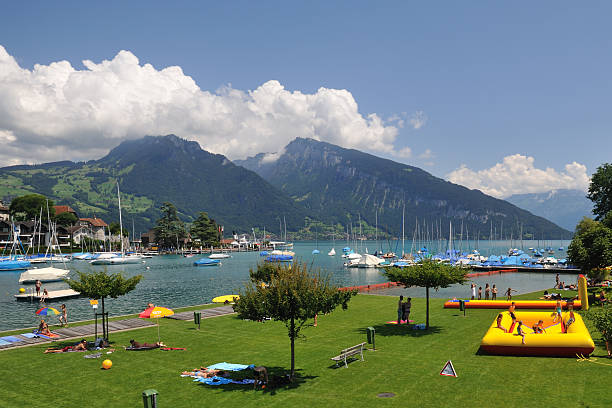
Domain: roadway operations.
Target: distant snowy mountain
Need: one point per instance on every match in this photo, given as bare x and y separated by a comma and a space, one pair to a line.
563, 207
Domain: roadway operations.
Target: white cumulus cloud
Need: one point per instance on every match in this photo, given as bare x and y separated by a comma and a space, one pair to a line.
517, 174
55, 111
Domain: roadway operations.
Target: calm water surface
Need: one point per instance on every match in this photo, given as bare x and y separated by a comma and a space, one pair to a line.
173, 281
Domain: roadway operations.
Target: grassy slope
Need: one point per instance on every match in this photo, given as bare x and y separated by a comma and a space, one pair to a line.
406, 363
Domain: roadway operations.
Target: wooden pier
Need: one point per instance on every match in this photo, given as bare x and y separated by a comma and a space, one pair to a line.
52, 295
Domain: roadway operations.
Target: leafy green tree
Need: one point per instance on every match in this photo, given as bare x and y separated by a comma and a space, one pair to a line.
427, 274
27, 207
169, 227
66, 219
100, 285
591, 248
600, 191
292, 296
205, 229
602, 320
115, 229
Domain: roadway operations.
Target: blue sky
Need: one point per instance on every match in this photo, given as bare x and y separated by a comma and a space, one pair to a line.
490, 84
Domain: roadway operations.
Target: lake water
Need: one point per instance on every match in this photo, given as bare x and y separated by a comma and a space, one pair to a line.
172, 281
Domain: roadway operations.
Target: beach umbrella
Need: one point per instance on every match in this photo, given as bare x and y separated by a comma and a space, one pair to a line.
47, 311
156, 312
226, 299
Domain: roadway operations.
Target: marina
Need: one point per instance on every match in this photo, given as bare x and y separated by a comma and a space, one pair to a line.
53, 295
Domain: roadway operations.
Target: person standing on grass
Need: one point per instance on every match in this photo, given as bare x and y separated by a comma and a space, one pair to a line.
407, 307
509, 294
473, 290
494, 293
557, 281
487, 291
480, 293
400, 309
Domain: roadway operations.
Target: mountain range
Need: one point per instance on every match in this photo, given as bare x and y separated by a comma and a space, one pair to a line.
308, 183
563, 207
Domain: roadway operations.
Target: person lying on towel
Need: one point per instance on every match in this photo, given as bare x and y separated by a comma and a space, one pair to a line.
80, 346
138, 345
205, 372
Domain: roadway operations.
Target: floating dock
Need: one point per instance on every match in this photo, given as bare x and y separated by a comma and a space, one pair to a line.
52, 295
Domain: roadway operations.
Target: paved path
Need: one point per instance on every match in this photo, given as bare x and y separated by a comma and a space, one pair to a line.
87, 330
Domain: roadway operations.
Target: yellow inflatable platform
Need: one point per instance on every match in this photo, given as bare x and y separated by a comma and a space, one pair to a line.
553, 342
505, 304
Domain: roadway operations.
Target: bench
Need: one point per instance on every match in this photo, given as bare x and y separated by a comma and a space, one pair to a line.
348, 352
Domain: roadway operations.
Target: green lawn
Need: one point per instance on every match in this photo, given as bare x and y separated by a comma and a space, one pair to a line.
406, 362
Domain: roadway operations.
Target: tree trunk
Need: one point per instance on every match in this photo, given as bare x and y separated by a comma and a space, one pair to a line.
292, 336
104, 329
427, 307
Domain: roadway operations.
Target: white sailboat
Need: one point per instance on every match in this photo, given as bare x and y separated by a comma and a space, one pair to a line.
115, 259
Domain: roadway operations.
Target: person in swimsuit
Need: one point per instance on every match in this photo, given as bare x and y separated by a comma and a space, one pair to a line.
494, 293
64, 316
400, 309
137, 345
407, 307
44, 296
557, 312
37, 285
43, 328
538, 327
572, 318
499, 325
520, 331
473, 286
509, 293
512, 316
479, 292
487, 291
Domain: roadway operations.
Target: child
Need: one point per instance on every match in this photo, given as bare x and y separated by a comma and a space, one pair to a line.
572, 318
479, 292
487, 291
512, 315
494, 293
557, 312
520, 331
64, 316
509, 293
539, 327
473, 286
499, 325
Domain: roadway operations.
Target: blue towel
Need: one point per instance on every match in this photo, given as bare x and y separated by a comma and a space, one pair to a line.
221, 380
230, 367
4, 343
11, 339
29, 335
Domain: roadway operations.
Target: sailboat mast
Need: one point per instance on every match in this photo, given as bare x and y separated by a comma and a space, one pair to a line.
403, 215
120, 221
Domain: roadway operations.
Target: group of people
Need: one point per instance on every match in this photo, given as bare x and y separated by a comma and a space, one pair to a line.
489, 292
538, 328
403, 310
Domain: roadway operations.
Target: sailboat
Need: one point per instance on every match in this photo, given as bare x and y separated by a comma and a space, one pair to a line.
47, 274
316, 251
121, 259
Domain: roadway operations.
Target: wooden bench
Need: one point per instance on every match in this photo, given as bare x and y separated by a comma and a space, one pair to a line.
348, 352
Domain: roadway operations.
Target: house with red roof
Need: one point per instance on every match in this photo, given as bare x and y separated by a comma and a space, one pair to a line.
97, 226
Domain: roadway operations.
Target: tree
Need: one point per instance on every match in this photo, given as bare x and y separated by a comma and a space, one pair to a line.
600, 190
591, 248
205, 229
115, 229
66, 219
169, 228
427, 274
100, 285
292, 296
602, 320
27, 207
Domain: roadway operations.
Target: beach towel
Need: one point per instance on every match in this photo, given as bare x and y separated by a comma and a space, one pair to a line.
140, 348
4, 343
50, 336
11, 339
29, 335
221, 380
95, 355
173, 348
230, 367
402, 322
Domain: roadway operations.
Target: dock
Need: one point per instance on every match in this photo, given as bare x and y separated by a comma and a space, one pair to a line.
52, 295
87, 330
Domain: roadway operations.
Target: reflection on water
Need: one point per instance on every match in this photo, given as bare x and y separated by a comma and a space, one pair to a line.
173, 281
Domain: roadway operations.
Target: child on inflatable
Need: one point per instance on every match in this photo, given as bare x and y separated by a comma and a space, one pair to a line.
499, 325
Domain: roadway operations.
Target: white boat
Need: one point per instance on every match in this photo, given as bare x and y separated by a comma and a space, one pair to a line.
49, 274
369, 261
332, 252
219, 256
354, 256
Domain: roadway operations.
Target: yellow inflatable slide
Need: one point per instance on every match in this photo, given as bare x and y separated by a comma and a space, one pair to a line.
553, 342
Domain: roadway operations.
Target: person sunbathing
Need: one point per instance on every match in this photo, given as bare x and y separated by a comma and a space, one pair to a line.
205, 372
43, 328
138, 345
80, 346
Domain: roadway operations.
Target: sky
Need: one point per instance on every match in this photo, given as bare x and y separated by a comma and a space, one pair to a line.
506, 97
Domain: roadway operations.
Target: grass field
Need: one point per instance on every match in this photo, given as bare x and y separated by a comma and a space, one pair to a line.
406, 362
